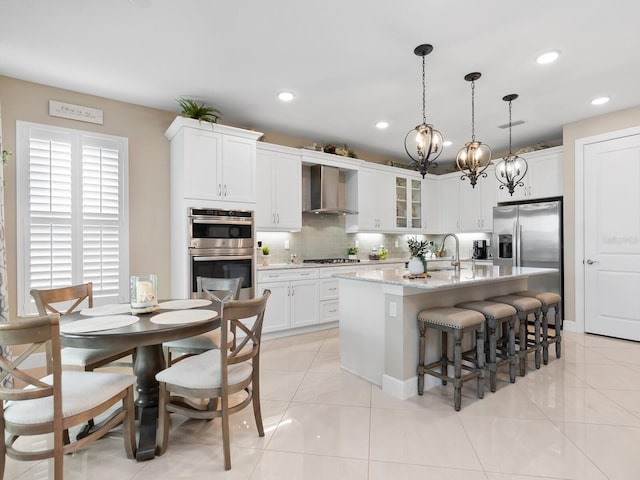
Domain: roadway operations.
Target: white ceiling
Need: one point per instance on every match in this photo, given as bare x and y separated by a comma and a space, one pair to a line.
350, 62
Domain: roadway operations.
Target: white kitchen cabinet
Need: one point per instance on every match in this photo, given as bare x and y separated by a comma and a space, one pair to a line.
294, 298
409, 210
278, 190
371, 192
430, 205
476, 204
449, 188
543, 178
215, 162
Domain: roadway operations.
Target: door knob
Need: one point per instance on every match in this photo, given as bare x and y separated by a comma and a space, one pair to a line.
591, 262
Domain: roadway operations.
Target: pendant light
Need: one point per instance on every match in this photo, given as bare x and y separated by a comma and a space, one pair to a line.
423, 144
511, 169
474, 158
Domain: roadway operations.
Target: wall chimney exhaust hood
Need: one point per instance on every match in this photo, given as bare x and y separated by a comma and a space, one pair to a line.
325, 182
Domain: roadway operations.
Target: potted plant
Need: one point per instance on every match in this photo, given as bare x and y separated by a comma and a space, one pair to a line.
418, 249
265, 255
192, 109
352, 253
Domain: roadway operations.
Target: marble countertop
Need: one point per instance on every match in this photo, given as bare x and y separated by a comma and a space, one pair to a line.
445, 279
276, 266
446, 262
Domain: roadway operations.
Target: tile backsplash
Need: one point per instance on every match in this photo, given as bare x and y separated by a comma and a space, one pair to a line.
323, 236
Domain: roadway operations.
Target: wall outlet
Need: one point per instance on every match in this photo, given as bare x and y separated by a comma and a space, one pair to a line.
397, 244
393, 309
357, 244
286, 244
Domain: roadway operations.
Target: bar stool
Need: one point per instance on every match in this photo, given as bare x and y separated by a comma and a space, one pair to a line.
497, 314
525, 306
456, 321
548, 300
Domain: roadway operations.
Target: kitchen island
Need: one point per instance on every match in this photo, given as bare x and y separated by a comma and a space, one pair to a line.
378, 311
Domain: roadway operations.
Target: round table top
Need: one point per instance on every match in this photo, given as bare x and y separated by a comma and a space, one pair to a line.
141, 333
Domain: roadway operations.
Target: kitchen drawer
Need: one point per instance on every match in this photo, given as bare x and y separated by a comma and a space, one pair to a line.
286, 275
329, 311
329, 288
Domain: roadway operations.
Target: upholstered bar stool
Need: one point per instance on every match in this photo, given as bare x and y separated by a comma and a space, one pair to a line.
455, 321
525, 306
497, 314
548, 300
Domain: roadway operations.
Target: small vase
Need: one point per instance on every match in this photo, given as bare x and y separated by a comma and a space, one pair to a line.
265, 260
416, 267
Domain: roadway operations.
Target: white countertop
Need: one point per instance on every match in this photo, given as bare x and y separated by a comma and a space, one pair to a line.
445, 279
276, 266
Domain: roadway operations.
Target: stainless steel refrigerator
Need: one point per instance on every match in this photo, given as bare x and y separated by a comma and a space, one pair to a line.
530, 235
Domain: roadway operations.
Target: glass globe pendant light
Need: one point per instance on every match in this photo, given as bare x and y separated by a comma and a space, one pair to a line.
423, 144
511, 169
474, 158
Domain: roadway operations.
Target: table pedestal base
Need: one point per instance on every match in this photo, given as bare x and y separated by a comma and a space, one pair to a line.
149, 361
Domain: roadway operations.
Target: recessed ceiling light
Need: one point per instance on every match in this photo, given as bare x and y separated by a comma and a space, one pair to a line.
447, 143
286, 96
382, 125
600, 100
548, 57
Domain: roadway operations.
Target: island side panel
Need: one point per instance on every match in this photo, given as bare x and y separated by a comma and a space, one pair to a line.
362, 329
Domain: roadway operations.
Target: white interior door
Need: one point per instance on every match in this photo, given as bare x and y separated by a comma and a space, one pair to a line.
612, 237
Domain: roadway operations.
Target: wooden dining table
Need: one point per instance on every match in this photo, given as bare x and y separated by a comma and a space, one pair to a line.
146, 337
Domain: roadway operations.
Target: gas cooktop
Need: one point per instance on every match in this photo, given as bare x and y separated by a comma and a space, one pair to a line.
331, 260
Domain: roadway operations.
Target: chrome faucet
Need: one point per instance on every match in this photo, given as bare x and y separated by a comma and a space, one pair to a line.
456, 261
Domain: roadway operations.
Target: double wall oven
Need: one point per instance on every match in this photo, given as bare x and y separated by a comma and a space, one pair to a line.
221, 245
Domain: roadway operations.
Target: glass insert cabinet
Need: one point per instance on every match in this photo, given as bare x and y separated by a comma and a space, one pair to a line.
408, 203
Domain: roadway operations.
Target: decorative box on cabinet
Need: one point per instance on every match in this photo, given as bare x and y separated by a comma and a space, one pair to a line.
212, 162
279, 189
543, 178
294, 298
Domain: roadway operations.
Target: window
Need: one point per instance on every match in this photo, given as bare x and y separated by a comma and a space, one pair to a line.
72, 211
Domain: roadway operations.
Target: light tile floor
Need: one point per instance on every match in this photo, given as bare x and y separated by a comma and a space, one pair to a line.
576, 418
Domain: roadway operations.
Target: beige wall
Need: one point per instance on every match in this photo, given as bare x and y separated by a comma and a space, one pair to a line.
573, 131
148, 169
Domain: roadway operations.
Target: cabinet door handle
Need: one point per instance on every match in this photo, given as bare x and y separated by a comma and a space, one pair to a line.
288, 291
278, 217
274, 218
225, 189
219, 190
293, 290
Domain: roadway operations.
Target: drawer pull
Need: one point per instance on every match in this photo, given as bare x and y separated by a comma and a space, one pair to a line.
333, 311
333, 289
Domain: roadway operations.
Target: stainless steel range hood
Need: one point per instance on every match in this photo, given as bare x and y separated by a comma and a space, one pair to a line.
325, 182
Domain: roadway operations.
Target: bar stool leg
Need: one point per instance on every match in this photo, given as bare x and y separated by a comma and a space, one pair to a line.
480, 358
545, 335
445, 355
493, 383
522, 351
457, 359
511, 349
537, 315
558, 330
421, 356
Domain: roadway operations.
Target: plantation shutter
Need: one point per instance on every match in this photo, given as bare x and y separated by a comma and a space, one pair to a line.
74, 229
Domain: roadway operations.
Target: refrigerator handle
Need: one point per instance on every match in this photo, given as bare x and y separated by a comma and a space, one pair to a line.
514, 236
519, 244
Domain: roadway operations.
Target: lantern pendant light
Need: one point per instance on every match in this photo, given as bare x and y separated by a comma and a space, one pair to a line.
423, 144
474, 158
511, 169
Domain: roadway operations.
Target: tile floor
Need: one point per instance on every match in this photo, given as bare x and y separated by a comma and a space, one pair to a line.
576, 418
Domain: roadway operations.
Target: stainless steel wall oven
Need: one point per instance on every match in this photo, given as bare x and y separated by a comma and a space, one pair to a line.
221, 245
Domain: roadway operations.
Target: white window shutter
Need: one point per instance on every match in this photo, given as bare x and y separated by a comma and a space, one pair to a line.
76, 229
